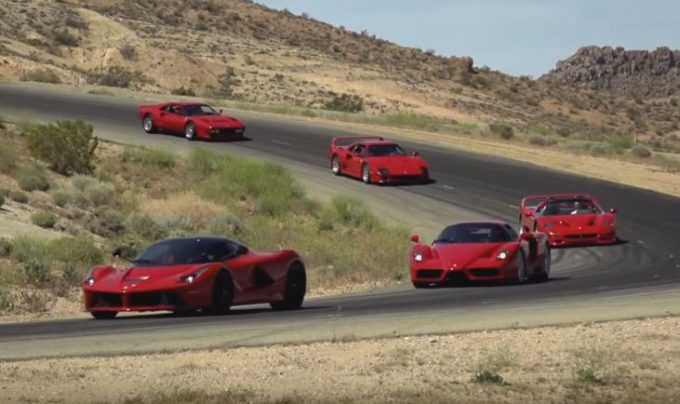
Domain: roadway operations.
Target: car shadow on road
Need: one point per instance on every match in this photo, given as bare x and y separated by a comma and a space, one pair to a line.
233, 312
482, 284
618, 242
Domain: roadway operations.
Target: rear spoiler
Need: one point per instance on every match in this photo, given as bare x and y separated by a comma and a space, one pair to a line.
351, 139
535, 200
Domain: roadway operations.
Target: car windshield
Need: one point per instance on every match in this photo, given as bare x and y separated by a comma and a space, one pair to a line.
475, 233
570, 206
385, 150
188, 251
194, 110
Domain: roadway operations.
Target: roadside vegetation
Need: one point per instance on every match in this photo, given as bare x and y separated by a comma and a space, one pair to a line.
87, 198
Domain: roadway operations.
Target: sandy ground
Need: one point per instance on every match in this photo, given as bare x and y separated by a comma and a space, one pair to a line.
626, 361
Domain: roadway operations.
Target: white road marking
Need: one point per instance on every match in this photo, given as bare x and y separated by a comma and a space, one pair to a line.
281, 142
513, 206
449, 187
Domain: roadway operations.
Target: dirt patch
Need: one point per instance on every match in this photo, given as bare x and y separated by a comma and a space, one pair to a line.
625, 361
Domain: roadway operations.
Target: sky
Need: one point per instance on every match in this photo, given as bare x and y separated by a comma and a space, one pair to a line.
519, 37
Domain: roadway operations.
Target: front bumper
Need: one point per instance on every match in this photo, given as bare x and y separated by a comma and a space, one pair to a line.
606, 237
149, 300
384, 177
226, 133
443, 276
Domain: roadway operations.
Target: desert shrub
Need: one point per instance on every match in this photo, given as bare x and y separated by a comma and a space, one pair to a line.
33, 300
61, 197
183, 91
144, 226
5, 247
149, 158
35, 260
345, 103
619, 143
503, 130
227, 225
41, 75
64, 37
5, 300
100, 194
107, 222
81, 182
116, 76
18, 196
67, 146
8, 158
128, 52
176, 224
2, 200
79, 251
537, 140
33, 178
640, 152
591, 366
347, 211
43, 219
598, 150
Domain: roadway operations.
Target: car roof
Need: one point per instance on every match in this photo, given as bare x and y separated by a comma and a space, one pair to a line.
197, 238
377, 142
497, 222
185, 103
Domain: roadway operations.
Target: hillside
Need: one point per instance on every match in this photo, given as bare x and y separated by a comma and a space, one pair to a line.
239, 50
635, 73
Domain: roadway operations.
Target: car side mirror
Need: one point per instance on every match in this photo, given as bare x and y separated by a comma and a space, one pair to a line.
415, 153
613, 210
117, 253
219, 111
415, 238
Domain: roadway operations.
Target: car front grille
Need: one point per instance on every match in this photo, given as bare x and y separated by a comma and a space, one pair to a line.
485, 272
153, 299
581, 236
429, 273
107, 300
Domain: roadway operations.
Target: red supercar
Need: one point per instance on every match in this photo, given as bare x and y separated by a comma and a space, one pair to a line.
480, 251
193, 120
196, 273
568, 219
376, 161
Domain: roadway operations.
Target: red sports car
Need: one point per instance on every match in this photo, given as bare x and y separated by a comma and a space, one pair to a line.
568, 219
480, 251
375, 160
196, 273
194, 121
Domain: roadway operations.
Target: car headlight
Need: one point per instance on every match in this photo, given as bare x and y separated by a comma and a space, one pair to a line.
502, 255
89, 281
418, 257
609, 222
383, 172
191, 278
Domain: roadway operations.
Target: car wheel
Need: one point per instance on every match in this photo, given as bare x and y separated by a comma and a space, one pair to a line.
521, 268
148, 124
104, 315
366, 174
335, 165
223, 294
184, 312
547, 263
296, 287
190, 131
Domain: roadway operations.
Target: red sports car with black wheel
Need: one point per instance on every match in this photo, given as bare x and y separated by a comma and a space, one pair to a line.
480, 251
568, 219
189, 274
376, 161
194, 121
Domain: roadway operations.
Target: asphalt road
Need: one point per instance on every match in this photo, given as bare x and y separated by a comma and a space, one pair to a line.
649, 224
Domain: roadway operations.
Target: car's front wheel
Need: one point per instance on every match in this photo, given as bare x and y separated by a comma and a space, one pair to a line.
223, 294
190, 131
296, 287
544, 276
366, 174
521, 268
104, 315
148, 124
335, 165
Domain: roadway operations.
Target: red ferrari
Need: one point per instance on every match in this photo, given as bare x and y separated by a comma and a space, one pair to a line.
568, 219
194, 121
184, 275
483, 251
376, 161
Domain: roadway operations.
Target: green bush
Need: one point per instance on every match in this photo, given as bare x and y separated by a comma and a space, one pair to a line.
227, 225
150, 158
144, 226
8, 158
61, 197
35, 259
598, 150
5, 247
116, 76
86, 191
176, 225
45, 220
107, 222
620, 143
503, 130
183, 91
33, 178
345, 103
349, 212
5, 300
100, 194
18, 196
67, 146
78, 251
641, 152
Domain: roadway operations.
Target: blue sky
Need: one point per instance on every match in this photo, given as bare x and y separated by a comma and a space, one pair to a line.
513, 36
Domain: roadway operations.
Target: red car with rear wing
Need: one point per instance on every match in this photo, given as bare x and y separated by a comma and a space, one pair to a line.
376, 161
568, 219
480, 251
193, 120
196, 273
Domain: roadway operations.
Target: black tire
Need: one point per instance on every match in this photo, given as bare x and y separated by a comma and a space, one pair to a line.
148, 124
335, 165
521, 269
421, 285
223, 294
544, 276
104, 315
296, 287
366, 174
190, 131
184, 312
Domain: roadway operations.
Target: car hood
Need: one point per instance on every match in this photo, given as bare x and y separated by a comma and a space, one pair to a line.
219, 120
398, 164
576, 221
145, 276
464, 255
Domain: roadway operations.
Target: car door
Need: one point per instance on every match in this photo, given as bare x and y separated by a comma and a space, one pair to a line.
174, 120
353, 160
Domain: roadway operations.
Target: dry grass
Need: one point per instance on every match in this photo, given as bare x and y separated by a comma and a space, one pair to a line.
623, 362
201, 212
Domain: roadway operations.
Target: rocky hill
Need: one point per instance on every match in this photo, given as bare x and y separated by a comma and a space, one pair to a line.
636, 73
